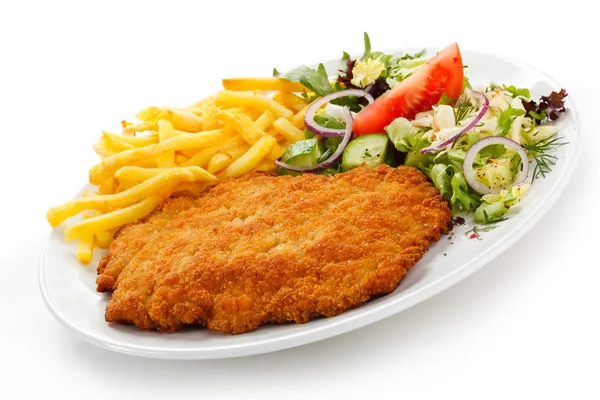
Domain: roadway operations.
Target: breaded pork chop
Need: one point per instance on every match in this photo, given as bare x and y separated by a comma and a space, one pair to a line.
265, 248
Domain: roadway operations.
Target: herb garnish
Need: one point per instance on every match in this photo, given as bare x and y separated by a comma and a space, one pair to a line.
540, 152
462, 109
476, 230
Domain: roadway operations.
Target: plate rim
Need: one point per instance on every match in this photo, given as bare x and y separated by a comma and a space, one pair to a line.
381, 311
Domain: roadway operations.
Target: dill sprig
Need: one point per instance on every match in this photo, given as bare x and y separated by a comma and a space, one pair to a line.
476, 230
462, 109
542, 154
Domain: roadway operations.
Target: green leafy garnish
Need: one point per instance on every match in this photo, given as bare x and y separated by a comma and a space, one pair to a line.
336, 169
366, 72
315, 80
477, 229
445, 100
463, 197
488, 213
466, 84
512, 89
542, 154
367, 51
295, 74
418, 54
550, 106
403, 67
495, 151
331, 145
494, 207
299, 148
441, 176
328, 121
404, 136
451, 183
505, 120
344, 61
462, 109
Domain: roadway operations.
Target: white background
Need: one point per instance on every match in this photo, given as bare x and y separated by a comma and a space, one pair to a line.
523, 327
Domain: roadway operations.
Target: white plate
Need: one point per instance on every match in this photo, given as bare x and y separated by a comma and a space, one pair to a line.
69, 289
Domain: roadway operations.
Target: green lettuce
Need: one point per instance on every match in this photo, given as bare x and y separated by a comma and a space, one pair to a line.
512, 89
315, 80
495, 206
506, 119
451, 183
404, 136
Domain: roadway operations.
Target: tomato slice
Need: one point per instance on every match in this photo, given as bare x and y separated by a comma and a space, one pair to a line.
417, 93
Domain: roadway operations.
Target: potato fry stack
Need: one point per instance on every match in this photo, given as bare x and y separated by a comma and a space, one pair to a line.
171, 149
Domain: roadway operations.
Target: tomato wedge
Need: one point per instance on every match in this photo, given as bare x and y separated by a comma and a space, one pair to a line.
417, 93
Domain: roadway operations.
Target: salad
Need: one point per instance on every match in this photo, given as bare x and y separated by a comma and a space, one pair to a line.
475, 144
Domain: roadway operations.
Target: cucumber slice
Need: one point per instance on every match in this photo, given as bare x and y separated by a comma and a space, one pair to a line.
369, 150
304, 153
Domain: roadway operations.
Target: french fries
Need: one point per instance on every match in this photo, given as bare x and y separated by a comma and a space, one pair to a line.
138, 174
265, 120
249, 131
115, 143
154, 185
203, 157
85, 248
255, 101
218, 162
175, 149
165, 132
185, 120
298, 119
107, 186
262, 84
109, 165
112, 220
149, 114
288, 130
101, 149
291, 101
252, 158
104, 238
140, 141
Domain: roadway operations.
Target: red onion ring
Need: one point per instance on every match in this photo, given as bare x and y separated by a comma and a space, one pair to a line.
485, 104
335, 157
477, 147
309, 116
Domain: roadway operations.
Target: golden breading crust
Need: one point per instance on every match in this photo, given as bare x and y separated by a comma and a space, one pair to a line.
264, 249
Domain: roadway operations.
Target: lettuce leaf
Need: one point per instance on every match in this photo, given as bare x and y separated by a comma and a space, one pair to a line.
463, 198
315, 80
512, 89
346, 74
495, 206
328, 121
505, 120
451, 183
404, 136
550, 106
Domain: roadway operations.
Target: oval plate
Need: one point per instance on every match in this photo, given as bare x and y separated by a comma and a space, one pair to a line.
69, 288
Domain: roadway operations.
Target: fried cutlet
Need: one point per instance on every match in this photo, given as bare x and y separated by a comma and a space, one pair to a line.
264, 248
